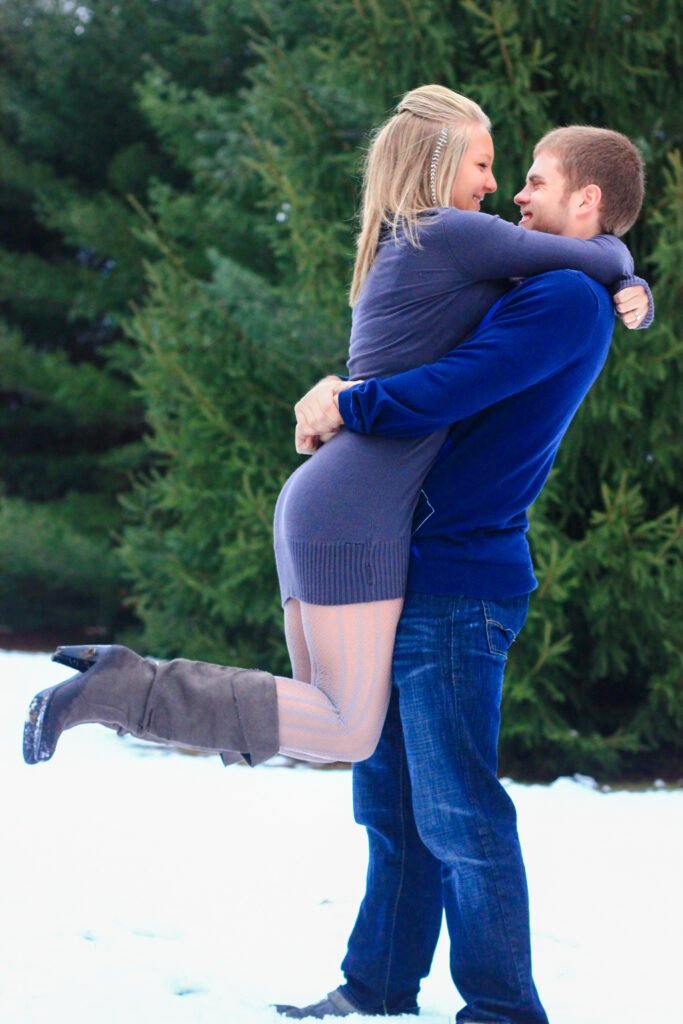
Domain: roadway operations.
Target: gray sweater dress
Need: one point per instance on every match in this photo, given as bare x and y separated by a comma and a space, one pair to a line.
343, 519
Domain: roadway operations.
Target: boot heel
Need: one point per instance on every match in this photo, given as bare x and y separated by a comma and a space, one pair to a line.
81, 658
34, 749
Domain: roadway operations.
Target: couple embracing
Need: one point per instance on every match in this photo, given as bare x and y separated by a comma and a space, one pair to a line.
401, 543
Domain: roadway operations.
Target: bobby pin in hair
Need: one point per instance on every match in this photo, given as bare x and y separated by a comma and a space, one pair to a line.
441, 142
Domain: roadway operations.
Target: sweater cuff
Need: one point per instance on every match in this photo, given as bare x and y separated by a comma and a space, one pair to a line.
345, 403
629, 282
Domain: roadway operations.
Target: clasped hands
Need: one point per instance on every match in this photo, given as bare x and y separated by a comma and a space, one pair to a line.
317, 414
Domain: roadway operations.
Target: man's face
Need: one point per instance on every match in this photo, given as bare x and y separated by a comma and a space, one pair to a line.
545, 202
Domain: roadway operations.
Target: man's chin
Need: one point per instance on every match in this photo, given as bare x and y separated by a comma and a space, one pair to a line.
546, 229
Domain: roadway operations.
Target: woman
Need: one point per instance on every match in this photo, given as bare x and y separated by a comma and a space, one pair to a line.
428, 268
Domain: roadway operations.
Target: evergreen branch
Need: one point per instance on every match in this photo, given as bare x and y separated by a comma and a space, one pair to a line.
256, 506
501, 40
159, 239
674, 537
359, 7
165, 359
198, 287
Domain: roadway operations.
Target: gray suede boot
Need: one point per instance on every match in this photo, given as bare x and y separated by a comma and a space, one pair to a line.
214, 708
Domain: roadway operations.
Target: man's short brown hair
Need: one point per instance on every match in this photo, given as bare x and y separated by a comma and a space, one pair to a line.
598, 156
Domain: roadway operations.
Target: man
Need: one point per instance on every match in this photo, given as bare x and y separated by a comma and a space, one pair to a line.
442, 831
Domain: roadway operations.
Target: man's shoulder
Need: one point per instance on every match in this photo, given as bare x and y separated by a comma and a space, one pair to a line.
564, 306
558, 287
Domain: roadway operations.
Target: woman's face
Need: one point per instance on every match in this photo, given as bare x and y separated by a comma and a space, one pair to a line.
475, 176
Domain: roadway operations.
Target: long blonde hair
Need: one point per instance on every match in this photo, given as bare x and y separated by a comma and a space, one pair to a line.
401, 169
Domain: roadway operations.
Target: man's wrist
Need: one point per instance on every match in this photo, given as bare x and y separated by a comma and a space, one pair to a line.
343, 402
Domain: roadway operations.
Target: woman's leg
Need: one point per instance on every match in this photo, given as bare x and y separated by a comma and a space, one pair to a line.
335, 714
344, 651
296, 641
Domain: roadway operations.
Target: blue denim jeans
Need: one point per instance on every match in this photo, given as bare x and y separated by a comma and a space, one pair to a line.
442, 830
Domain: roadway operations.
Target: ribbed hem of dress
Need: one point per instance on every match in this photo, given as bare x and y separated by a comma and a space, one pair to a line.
341, 572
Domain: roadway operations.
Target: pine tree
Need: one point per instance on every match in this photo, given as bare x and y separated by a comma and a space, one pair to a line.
231, 334
74, 150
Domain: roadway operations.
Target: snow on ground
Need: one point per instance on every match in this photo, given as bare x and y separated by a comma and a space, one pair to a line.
142, 885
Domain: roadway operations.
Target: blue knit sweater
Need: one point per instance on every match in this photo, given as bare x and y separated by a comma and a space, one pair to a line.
510, 391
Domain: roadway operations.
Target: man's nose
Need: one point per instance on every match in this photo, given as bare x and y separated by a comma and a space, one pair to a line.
521, 197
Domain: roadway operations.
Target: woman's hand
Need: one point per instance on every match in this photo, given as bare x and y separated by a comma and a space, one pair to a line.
632, 304
317, 414
306, 445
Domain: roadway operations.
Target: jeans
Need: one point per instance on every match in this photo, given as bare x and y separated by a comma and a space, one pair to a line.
442, 831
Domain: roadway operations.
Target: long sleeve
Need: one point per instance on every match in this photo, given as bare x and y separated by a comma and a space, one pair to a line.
502, 249
539, 328
493, 248
628, 282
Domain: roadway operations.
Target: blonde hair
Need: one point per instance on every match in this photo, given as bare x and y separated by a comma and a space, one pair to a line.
410, 164
599, 156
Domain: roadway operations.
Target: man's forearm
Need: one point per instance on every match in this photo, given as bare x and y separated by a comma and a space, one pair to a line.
530, 338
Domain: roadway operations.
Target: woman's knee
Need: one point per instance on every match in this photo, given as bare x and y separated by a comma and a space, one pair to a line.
358, 742
364, 749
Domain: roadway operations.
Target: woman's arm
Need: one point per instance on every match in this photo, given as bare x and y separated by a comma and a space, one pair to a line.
633, 302
487, 248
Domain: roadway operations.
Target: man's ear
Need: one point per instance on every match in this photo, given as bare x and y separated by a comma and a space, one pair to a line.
590, 199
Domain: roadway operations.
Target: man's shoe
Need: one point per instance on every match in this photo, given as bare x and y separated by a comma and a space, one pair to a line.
335, 1004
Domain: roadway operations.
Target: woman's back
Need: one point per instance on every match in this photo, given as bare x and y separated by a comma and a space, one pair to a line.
419, 303
343, 519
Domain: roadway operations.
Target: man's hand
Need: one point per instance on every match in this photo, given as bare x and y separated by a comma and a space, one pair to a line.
317, 414
632, 305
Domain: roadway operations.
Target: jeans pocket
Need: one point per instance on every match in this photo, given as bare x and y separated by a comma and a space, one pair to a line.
504, 620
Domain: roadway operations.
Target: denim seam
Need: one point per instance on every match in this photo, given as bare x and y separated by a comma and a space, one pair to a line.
400, 884
482, 838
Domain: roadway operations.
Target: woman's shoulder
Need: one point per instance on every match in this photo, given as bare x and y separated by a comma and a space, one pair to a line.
452, 228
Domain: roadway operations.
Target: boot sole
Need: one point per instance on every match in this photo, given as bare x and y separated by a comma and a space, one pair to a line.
34, 749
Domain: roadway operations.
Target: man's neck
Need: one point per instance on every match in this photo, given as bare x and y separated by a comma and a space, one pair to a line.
584, 229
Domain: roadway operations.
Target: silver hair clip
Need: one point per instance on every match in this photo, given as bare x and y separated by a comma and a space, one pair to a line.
441, 142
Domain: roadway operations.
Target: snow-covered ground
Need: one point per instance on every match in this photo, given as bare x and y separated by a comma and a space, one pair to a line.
140, 885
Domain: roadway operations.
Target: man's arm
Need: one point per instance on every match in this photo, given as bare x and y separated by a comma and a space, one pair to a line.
421, 398
541, 327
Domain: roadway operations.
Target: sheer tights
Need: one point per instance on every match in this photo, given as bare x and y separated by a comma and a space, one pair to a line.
334, 708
